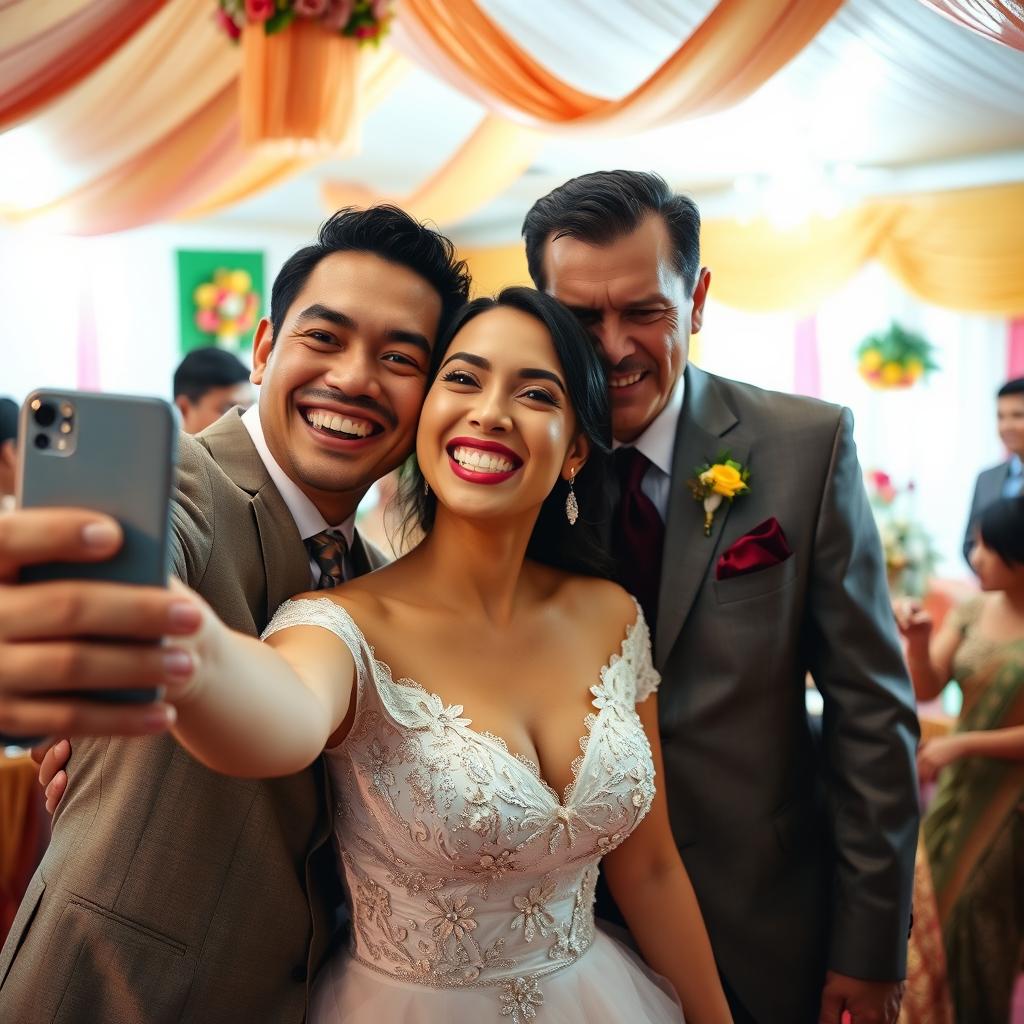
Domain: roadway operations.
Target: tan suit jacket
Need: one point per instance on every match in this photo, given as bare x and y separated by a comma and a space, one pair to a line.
170, 893
801, 850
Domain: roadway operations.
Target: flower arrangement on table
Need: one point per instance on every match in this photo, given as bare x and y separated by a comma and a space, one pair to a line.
910, 556
895, 358
365, 21
226, 307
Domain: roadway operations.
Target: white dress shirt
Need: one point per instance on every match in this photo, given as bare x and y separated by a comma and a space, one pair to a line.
307, 518
658, 443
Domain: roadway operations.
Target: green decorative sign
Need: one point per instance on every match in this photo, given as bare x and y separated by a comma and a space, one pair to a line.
220, 298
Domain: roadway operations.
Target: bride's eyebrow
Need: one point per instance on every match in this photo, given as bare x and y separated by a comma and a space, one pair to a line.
468, 357
534, 374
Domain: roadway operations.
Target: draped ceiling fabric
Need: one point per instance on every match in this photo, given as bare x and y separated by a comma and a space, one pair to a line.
1001, 20
960, 250
47, 46
738, 47
154, 131
490, 160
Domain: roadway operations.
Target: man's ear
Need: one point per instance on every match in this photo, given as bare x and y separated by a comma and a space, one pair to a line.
8, 454
262, 346
183, 405
700, 296
576, 457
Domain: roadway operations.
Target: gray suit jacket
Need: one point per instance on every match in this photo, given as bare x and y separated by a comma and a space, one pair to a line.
988, 489
170, 893
801, 852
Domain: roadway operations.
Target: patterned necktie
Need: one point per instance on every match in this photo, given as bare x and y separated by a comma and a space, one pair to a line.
639, 534
327, 549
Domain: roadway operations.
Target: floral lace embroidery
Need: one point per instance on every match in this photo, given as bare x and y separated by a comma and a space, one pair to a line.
463, 866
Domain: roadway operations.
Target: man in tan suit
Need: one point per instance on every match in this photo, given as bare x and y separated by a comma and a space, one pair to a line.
801, 853
168, 892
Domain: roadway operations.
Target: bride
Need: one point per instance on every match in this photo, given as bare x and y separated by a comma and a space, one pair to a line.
487, 708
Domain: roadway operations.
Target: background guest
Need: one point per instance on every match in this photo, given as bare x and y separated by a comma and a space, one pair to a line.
974, 829
8, 451
1007, 479
208, 382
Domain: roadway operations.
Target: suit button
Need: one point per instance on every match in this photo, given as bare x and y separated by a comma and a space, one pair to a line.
299, 973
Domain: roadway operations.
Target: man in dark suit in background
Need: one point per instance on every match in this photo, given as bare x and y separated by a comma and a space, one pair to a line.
807, 902
1007, 479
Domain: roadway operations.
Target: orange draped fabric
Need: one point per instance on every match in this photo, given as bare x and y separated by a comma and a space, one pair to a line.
50, 46
493, 157
1001, 20
737, 48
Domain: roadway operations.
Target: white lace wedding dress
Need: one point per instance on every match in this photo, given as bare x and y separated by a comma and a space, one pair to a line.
471, 883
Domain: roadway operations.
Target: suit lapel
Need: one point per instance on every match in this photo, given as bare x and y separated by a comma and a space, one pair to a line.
285, 560
703, 423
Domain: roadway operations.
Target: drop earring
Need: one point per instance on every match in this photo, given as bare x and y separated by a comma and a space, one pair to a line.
572, 508
426, 489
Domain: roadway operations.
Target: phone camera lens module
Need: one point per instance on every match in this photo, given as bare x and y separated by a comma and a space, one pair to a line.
42, 441
45, 415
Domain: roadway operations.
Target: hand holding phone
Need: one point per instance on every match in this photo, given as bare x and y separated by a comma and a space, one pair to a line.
76, 585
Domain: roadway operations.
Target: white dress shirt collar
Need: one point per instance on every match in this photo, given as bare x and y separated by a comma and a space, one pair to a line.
307, 517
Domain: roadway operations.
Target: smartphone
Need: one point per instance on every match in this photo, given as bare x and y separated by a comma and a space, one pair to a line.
111, 453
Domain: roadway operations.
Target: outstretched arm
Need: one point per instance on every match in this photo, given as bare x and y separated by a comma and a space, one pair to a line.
259, 709
646, 875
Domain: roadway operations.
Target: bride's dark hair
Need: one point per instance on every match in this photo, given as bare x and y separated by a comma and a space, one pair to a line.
554, 542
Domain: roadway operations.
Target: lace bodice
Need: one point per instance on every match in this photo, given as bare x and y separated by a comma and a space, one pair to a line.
463, 867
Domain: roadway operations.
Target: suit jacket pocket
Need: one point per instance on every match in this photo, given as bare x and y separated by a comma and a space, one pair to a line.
755, 584
111, 968
22, 920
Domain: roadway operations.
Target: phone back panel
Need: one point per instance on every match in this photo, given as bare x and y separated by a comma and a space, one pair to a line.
122, 464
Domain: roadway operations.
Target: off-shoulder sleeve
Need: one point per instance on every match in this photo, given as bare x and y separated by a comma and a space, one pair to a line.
648, 679
322, 612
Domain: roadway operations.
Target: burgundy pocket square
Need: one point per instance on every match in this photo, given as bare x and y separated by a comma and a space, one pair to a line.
762, 548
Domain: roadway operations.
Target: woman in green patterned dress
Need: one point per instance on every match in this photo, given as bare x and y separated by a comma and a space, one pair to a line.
974, 828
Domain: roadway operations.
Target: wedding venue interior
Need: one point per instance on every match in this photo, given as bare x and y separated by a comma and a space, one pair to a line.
858, 166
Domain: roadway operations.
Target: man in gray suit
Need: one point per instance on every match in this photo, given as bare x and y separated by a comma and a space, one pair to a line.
170, 893
801, 855
1007, 479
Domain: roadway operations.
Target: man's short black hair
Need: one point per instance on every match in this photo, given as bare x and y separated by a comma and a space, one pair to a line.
602, 206
204, 369
8, 420
1012, 387
387, 232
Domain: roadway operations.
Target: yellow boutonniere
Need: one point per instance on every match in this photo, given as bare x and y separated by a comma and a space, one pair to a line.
716, 482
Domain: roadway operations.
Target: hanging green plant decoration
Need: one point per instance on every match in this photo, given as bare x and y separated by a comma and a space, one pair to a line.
895, 358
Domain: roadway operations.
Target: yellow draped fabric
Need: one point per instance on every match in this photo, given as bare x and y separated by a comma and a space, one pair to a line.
494, 156
961, 250
736, 49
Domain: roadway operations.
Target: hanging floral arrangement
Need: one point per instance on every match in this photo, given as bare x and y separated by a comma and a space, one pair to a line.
895, 358
226, 307
365, 21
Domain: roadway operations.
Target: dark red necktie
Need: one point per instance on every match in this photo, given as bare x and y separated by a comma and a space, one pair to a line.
639, 534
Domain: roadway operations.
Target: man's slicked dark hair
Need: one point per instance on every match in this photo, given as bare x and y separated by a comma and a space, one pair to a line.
600, 207
387, 232
1012, 387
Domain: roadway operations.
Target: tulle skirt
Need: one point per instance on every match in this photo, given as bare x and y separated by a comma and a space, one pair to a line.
609, 984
